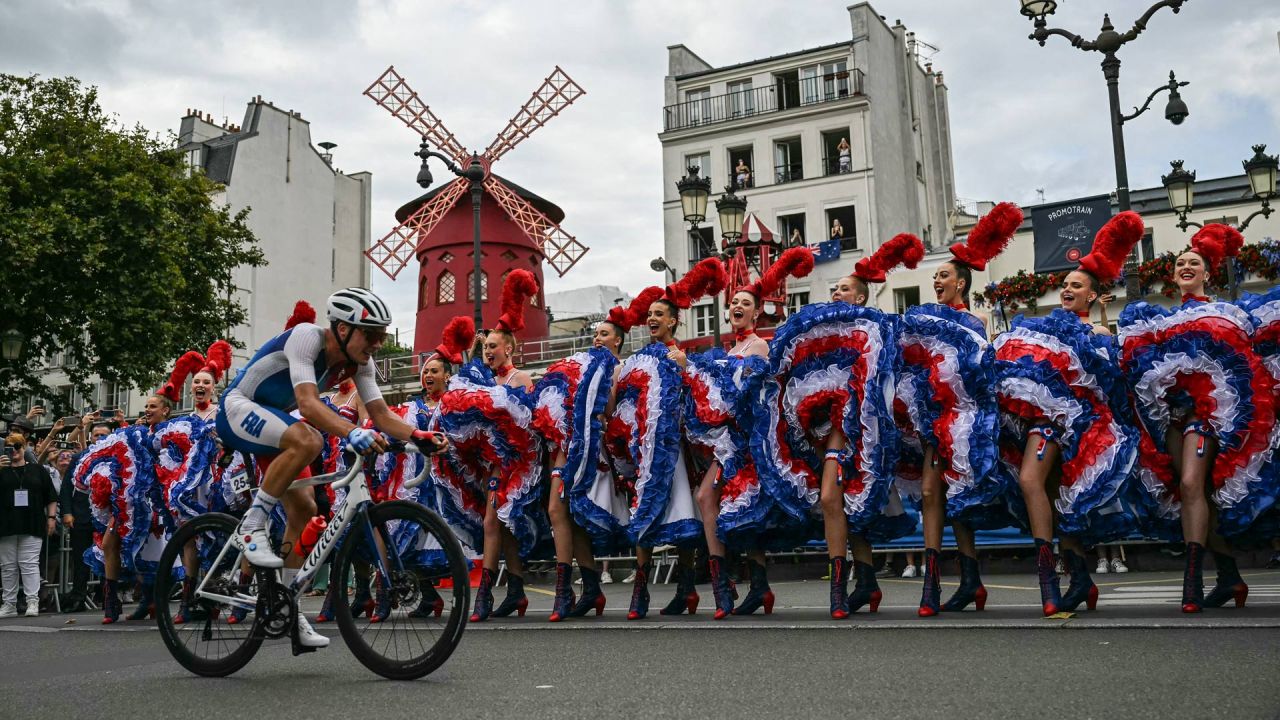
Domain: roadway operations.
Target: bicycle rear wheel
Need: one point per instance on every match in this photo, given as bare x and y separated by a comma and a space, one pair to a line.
206, 644
412, 553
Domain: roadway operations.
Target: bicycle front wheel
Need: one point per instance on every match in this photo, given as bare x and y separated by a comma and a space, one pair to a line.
420, 596
206, 644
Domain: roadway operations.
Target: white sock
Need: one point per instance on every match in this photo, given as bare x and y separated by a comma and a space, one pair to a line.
256, 517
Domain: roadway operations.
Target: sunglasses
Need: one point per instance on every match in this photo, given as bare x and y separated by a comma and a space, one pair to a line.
374, 335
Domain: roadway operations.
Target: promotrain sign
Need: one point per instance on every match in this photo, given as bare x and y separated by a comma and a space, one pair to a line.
1063, 233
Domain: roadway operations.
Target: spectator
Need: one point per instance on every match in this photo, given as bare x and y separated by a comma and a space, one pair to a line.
27, 504
742, 174
77, 518
845, 158
26, 427
837, 230
796, 238
1109, 561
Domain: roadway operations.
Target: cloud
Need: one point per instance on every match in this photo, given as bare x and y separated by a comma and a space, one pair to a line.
1023, 117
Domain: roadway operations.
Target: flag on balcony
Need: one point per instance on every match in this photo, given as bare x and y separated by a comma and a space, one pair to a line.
827, 251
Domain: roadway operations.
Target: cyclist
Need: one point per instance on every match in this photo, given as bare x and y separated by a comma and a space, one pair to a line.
290, 372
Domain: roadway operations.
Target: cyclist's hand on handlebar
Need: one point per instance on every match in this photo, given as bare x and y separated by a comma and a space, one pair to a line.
429, 442
366, 441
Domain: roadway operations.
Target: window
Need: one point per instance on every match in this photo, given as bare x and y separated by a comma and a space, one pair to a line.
446, 257
787, 163
836, 159
446, 288
797, 300
484, 287
703, 319
787, 89
1148, 246
422, 293
699, 104
904, 298
702, 161
835, 80
841, 226
787, 227
741, 100
809, 84
741, 167
702, 244
508, 256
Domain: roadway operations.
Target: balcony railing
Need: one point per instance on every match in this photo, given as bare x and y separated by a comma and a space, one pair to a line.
782, 95
832, 166
788, 173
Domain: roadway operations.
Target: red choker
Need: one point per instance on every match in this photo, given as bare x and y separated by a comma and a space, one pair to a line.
670, 343
506, 370
1188, 297
202, 406
436, 395
958, 306
743, 334
1083, 314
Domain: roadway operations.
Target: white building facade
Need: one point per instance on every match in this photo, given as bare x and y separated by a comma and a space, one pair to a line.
312, 223
855, 133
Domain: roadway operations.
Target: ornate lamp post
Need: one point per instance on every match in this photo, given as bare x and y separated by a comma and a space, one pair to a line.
1109, 42
11, 345
694, 191
474, 173
1261, 170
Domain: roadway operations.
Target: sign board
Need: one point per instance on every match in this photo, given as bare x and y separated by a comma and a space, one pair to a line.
1064, 232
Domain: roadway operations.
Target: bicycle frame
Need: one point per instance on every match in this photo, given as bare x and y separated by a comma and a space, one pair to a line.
354, 507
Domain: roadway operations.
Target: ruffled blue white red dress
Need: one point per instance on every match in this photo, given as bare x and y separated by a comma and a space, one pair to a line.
645, 441
1056, 371
491, 427
832, 362
185, 452
1197, 364
571, 399
946, 398
118, 473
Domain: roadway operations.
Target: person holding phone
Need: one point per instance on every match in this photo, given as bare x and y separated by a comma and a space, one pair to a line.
27, 505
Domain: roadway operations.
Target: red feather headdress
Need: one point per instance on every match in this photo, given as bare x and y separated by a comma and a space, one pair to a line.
187, 365
989, 237
795, 262
302, 313
457, 337
217, 362
902, 249
706, 278
519, 286
217, 359
635, 313
1215, 242
1112, 245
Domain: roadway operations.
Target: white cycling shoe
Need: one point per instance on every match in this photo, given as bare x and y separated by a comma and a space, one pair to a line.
256, 547
308, 637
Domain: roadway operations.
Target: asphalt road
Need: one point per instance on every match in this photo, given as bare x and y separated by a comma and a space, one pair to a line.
1136, 657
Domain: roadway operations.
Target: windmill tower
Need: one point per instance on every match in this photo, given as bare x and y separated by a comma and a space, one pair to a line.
518, 228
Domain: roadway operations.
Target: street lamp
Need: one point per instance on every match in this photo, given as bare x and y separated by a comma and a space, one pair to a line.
732, 210
694, 192
660, 265
474, 174
1108, 43
1261, 171
11, 345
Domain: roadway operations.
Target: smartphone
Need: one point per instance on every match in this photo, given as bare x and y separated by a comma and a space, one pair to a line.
106, 412
71, 420
64, 445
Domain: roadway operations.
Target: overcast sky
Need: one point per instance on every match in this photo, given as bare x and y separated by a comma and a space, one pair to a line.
1023, 117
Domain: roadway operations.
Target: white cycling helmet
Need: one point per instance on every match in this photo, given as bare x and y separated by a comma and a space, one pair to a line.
357, 306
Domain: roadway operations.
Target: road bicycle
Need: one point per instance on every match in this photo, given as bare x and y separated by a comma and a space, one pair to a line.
407, 548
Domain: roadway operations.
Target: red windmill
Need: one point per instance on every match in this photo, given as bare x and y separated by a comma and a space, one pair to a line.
434, 226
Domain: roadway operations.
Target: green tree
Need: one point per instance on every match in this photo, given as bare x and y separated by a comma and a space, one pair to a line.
112, 250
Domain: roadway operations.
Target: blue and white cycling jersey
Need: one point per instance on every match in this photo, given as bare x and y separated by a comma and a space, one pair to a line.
254, 412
